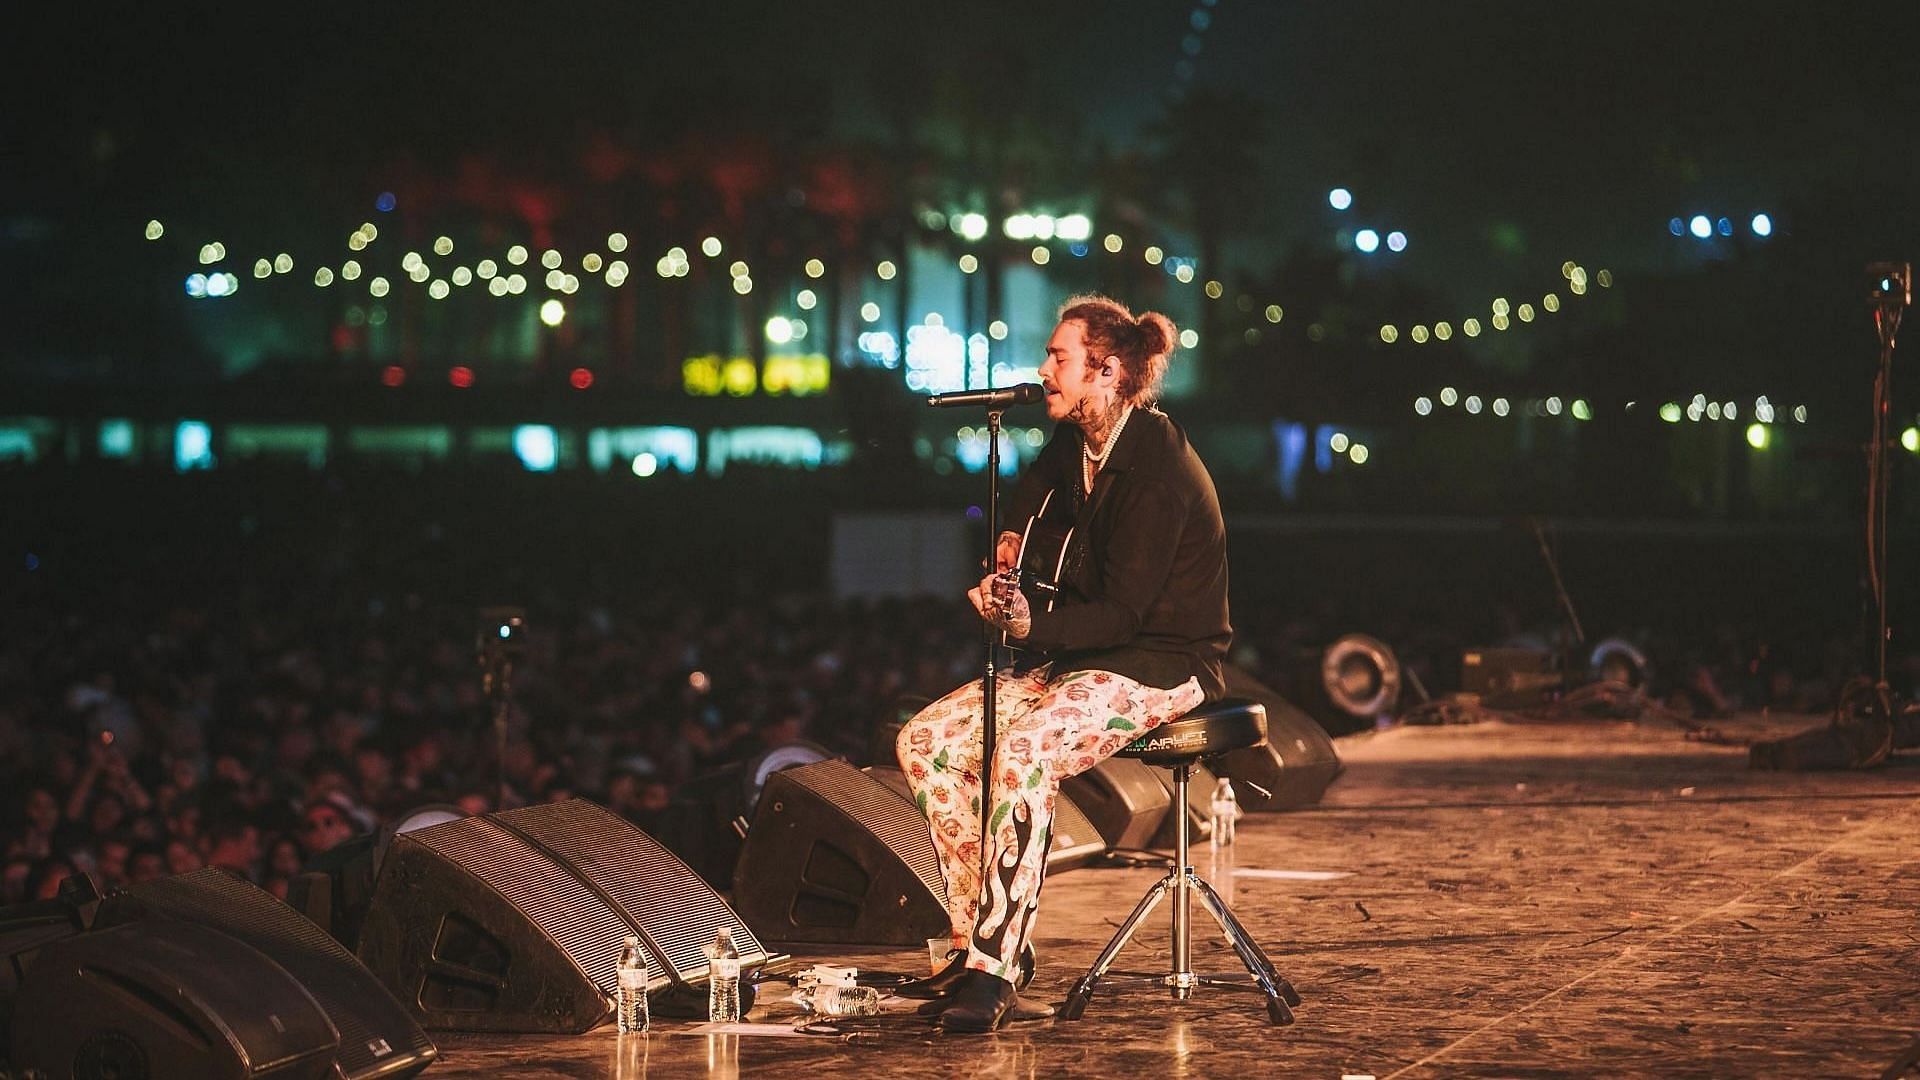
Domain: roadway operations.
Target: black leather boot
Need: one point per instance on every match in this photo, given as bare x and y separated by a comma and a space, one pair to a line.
940, 983
1022, 1009
979, 1003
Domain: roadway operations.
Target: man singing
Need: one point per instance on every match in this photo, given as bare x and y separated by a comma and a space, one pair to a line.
1135, 639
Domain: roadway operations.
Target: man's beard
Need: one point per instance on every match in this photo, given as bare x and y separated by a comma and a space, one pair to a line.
1094, 420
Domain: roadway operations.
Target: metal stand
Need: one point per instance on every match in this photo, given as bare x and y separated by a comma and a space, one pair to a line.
497, 683
995, 402
500, 641
1889, 298
990, 673
1559, 587
1181, 881
1888, 308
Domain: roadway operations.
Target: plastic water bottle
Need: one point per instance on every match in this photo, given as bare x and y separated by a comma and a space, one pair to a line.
723, 979
630, 1002
1222, 812
830, 991
846, 999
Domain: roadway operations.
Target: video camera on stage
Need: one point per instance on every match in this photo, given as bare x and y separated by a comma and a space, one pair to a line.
1890, 284
503, 633
499, 640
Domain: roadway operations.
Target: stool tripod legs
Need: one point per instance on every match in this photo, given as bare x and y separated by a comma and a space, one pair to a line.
1181, 880
1076, 1004
1280, 993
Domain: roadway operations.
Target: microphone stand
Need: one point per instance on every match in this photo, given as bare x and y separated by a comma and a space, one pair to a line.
989, 676
1570, 657
1887, 310
996, 402
1862, 733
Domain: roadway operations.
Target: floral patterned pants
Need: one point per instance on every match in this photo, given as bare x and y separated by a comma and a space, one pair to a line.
1048, 730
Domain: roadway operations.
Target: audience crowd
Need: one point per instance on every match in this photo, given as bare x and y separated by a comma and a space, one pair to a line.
255, 736
255, 739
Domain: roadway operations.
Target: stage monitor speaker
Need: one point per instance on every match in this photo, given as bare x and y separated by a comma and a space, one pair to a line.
699, 826
335, 888
1123, 799
378, 1039
835, 856
880, 746
27, 928
1350, 685
1295, 764
1075, 841
513, 921
158, 998
894, 779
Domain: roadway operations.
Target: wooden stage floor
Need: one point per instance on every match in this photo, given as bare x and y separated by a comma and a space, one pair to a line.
1576, 898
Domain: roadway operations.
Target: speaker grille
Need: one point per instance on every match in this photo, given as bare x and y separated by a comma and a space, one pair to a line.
585, 928
643, 877
1075, 841
877, 808
836, 856
1122, 798
1296, 763
377, 1039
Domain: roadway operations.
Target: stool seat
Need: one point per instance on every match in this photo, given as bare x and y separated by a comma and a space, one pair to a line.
1211, 728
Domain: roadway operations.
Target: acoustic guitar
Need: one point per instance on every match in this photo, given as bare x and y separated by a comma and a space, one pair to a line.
1046, 544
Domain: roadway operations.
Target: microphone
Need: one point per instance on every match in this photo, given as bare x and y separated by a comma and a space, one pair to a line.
998, 398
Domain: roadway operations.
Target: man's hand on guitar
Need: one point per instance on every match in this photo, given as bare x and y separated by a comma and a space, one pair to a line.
1006, 554
999, 601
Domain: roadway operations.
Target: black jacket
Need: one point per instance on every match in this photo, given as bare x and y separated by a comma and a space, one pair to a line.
1146, 589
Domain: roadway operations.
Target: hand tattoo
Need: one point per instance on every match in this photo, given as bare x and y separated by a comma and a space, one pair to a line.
1010, 609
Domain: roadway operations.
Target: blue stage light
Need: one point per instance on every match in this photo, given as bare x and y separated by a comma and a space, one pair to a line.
537, 446
1367, 241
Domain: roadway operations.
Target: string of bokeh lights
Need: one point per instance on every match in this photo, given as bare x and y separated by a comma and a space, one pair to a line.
1369, 241
1702, 227
509, 275
1504, 312
1759, 431
1700, 408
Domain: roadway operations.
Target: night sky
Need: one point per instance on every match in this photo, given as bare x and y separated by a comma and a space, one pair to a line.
1502, 137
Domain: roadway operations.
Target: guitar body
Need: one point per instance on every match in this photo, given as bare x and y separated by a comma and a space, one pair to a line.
1041, 567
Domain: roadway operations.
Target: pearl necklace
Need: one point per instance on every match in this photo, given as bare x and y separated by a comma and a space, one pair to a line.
1091, 463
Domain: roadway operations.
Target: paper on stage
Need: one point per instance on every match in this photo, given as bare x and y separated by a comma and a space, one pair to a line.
1294, 875
711, 1028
